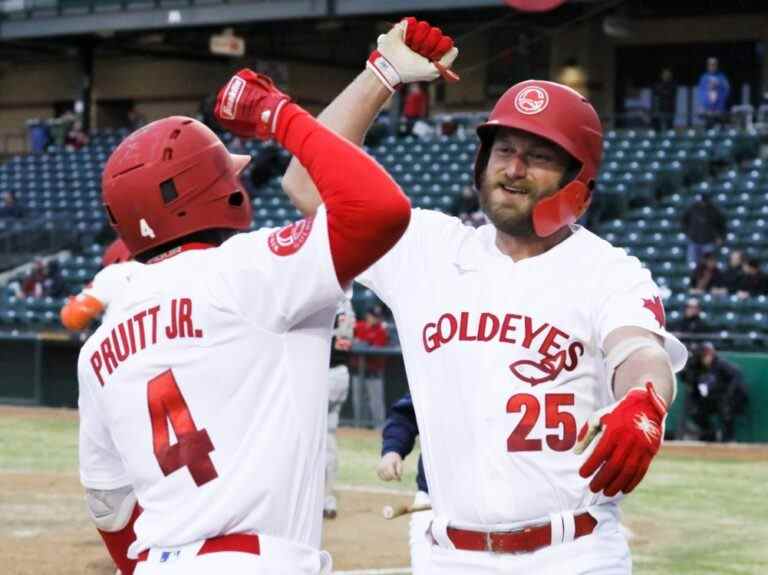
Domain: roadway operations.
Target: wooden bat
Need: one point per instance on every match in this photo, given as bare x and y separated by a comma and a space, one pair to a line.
390, 512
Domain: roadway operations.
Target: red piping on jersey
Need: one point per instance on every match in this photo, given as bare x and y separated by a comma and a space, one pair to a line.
367, 210
178, 249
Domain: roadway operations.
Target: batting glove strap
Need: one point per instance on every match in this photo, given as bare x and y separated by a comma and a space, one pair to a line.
630, 434
249, 105
412, 51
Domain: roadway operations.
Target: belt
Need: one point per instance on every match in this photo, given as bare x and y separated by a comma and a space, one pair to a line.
524, 540
236, 542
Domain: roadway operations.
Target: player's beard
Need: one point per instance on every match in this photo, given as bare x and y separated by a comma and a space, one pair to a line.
512, 215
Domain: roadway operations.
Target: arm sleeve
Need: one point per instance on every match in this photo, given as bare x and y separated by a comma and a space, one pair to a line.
400, 430
367, 211
631, 298
100, 464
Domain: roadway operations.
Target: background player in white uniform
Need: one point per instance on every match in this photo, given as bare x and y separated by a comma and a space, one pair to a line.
80, 310
518, 334
203, 393
338, 389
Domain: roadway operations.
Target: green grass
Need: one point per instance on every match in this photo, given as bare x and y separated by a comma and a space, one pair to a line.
38, 444
689, 517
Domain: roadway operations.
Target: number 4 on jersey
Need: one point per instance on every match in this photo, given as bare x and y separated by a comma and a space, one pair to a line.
192, 445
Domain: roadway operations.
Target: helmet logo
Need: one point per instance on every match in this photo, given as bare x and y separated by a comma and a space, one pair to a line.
145, 230
531, 100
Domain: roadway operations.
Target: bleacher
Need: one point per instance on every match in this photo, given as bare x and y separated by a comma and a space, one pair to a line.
647, 179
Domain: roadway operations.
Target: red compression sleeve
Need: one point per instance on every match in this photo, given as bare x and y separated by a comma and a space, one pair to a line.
117, 543
367, 210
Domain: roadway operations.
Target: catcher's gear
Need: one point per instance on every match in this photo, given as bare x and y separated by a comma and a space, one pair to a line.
561, 115
171, 178
115, 253
412, 51
249, 105
632, 431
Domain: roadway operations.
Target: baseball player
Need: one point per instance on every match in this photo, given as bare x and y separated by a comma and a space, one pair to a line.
398, 438
338, 389
80, 310
536, 352
203, 392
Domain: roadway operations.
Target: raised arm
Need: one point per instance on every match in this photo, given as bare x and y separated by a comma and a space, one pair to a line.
367, 211
411, 51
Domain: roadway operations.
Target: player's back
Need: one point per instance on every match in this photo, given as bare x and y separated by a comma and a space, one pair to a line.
209, 385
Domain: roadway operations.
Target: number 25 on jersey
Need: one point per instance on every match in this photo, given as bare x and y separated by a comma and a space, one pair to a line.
554, 418
166, 404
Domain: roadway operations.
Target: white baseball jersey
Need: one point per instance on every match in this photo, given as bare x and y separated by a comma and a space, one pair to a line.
505, 360
205, 388
110, 281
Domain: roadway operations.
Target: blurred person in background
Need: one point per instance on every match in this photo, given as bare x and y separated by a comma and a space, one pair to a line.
716, 390
372, 330
712, 94
733, 272
9, 208
664, 96
705, 226
338, 389
33, 284
753, 280
707, 275
691, 322
398, 439
415, 106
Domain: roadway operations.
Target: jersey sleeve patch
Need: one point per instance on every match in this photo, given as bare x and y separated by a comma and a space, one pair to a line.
289, 239
655, 306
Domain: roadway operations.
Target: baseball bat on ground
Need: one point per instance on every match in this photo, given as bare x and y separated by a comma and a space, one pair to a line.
390, 512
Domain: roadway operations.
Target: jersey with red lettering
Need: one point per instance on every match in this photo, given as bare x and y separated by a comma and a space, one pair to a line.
205, 388
505, 360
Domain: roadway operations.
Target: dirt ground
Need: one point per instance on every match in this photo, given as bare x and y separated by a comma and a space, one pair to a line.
45, 529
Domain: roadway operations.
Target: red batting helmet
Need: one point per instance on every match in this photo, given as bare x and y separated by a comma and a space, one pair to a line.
563, 116
171, 178
115, 253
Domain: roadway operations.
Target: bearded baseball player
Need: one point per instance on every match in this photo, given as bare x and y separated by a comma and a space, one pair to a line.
536, 352
203, 393
80, 310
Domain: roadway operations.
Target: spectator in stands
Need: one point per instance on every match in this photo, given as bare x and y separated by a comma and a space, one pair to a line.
733, 272
704, 224
76, 138
54, 285
712, 94
466, 207
715, 389
753, 280
135, 118
664, 97
691, 322
707, 275
373, 331
9, 208
266, 165
415, 106
33, 284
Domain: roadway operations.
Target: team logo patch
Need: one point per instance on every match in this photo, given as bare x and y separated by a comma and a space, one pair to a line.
531, 100
288, 240
232, 97
655, 306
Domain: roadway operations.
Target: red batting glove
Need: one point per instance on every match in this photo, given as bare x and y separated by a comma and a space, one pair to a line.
632, 432
249, 105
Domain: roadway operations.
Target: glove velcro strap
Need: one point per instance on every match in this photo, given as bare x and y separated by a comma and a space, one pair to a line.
384, 70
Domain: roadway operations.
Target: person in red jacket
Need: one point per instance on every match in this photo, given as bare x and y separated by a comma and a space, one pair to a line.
373, 331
